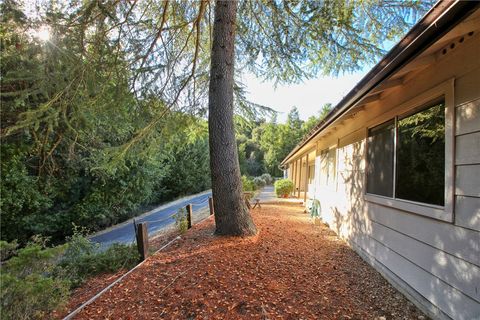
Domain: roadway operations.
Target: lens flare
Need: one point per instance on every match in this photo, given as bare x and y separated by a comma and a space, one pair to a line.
43, 34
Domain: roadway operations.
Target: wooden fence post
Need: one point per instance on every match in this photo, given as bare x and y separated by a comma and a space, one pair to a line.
210, 205
142, 240
189, 215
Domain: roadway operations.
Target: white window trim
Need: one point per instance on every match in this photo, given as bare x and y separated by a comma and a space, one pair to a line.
444, 213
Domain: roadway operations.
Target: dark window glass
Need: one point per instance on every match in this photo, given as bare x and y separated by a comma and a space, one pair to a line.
421, 156
380, 159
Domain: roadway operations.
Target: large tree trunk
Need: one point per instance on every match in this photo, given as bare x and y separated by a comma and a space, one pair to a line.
231, 214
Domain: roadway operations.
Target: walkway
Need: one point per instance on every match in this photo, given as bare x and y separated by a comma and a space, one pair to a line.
267, 194
291, 270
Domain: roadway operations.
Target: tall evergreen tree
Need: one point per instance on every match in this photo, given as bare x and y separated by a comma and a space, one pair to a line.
153, 57
231, 213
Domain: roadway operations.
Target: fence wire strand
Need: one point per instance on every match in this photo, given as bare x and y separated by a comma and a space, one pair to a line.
170, 216
200, 203
160, 220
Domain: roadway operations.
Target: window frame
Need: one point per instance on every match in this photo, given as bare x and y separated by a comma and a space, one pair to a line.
444, 91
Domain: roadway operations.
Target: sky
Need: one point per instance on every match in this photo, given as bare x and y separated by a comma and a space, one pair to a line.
308, 97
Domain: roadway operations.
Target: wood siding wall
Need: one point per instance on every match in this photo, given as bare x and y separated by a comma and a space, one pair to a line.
436, 261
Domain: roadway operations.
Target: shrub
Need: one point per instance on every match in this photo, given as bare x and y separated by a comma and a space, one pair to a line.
283, 187
267, 178
30, 289
32, 297
38, 279
7, 249
83, 259
248, 184
259, 182
181, 220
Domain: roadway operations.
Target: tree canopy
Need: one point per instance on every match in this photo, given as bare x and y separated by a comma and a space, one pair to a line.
263, 145
93, 118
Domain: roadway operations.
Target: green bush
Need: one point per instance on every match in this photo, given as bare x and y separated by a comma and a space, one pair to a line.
267, 178
248, 184
259, 182
83, 259
181, 220
283, 187
38, 279
32, 297
30, 289
7, 249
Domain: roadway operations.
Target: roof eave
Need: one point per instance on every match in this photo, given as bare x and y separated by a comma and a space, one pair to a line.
443, 16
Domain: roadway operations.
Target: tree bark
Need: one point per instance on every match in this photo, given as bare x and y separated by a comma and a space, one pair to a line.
231, 214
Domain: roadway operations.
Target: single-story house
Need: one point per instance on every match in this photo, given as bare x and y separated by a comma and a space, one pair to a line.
394, 168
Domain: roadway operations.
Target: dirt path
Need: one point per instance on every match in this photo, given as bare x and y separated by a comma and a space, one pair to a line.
291, 270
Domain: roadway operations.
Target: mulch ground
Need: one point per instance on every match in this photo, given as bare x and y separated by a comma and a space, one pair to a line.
291, 270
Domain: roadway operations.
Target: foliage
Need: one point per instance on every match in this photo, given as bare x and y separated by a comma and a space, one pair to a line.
78, 146
292, 40
267, 178
283, 187
248, 184
263, 145
259, 182
181, 221
7, 249
38, 279
263, 180
188, 171
19, 191
83, 259
30, 290
106, 116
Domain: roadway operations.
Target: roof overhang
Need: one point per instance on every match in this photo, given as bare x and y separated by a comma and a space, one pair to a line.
443, 17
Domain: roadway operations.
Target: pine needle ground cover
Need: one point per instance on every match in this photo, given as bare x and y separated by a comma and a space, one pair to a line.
292, 269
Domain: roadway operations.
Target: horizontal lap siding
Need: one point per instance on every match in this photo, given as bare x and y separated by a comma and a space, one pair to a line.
468, 149
457, 241
468, 213
438, 260
448, 299
467, 152
467, 180
448, 268
468, 115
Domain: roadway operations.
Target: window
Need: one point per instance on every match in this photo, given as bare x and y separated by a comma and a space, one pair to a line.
380, 159
328, 166
421, 156
406, 156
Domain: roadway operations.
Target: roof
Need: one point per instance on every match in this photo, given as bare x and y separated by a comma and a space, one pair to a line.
440, 19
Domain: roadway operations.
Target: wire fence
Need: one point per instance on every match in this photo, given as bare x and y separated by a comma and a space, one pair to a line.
140, 234
172, 215
201, 203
